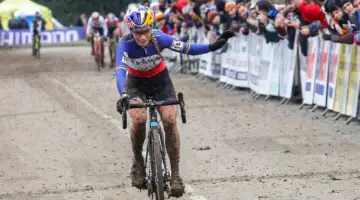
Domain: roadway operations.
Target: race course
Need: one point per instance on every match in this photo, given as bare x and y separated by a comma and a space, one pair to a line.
61, 138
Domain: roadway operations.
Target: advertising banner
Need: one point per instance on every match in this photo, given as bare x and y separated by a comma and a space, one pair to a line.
343, 76
287, 70
333, 68
321, 75
353, 87
308, 71
24, 37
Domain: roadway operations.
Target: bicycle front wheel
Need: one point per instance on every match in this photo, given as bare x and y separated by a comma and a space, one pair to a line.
156, 164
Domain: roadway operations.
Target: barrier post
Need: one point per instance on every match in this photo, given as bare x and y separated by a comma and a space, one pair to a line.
337, 116
325, 112
349, 120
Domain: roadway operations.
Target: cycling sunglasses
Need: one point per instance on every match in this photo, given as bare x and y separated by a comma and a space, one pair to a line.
141, 32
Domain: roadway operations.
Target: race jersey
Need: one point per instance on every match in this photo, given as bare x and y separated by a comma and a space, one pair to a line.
113, 24
146, 62
37, 26
100, 23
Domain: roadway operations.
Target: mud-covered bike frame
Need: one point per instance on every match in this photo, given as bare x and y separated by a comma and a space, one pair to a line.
37, 46
98, 50
112, 50
158, 175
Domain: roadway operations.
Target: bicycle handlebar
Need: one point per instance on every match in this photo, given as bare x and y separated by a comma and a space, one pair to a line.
179, 101
153, 104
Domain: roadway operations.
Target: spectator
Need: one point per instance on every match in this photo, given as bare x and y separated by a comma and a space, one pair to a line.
155, 6
13, 23
23, 24
163, 25
311, 12
122, 15
273, 22
146, 3
215, 20
81, 21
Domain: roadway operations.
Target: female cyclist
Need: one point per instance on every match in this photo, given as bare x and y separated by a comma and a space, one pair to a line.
139, 54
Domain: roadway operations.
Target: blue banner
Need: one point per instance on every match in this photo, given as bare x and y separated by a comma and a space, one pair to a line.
24, 37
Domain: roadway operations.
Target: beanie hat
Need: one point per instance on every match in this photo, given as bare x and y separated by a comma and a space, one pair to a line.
230, 5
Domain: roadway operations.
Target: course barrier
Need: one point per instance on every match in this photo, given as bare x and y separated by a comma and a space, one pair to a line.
24, 37
328, 78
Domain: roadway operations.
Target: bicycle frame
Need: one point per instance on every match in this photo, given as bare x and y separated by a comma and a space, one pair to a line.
97, 45
37, 42
155, 145
36, 46
112, 49
154, 124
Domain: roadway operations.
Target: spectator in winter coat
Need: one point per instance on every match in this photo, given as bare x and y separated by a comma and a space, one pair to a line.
353, 9
216, 27
23, 24
339, 28
163, 25
311, 12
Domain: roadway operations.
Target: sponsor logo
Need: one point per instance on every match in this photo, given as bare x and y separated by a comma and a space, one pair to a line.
24, 37
142, 64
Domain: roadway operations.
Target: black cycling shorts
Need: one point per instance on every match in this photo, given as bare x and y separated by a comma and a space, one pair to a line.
111, 31
100, 30
159, 87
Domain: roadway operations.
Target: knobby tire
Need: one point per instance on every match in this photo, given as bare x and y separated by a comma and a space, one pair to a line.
156, 164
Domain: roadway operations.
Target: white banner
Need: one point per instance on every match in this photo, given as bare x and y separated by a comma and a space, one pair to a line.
321, 75
228, 61
255, 42
205, 64
264, 68
242, 68
205, 59
287, 70
307, 72
216, 64
234, 65
274, 75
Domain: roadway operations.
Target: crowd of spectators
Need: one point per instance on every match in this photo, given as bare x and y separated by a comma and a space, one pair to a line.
334, 20
18, 23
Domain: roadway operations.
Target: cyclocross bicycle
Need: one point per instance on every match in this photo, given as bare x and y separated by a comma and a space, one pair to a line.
158, 176
98, 51
112, 50
37, 47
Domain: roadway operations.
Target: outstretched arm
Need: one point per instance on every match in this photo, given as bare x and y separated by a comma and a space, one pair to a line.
167, 41
121, 68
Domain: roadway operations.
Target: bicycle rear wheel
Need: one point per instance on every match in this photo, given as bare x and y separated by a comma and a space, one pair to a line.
98, 62
156, 164
112, 52
38, 53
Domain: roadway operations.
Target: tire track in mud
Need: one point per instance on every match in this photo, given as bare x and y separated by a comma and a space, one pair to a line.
64, 189
331, 175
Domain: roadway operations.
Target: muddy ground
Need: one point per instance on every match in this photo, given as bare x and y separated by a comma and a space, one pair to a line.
61, 138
